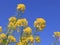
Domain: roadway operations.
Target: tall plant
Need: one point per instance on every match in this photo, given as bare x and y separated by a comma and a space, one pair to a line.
20, 25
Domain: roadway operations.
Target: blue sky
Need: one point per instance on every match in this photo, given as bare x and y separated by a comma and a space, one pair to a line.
47, 9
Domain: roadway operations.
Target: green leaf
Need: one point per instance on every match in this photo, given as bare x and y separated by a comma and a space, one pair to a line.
5, 42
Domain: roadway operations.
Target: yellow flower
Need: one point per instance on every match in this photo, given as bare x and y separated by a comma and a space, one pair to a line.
40, 20
40, 23
11, 23
1, 41
3, 36
31, 39
21, 7
24, 22
28, 30
11, 26
0, 29
11, 38
18, 23
24, 39
37, 39
57, 34
12, 19
21, 22
19, 43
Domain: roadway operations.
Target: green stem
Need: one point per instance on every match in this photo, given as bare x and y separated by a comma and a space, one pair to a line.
55, 41
19, 16
5, 42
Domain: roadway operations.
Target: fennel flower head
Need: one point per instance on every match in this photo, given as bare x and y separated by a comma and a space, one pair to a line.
21, 7
57, 34
27, 30
3, 36
12, 26
22, 22
11, 38
12, 19
37, 39
40, 23
19, 43
31, 39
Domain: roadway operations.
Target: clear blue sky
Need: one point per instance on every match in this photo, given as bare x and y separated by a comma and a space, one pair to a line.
47, 9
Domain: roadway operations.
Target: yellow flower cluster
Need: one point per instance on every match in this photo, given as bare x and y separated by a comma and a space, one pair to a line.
19, 43
22, 22
3, 36
11, 26
12, 21
57, 34
31, 39
25, 40
40, 23
26, 35
21, 7
0, 29
27, 30
11, 38
37, 39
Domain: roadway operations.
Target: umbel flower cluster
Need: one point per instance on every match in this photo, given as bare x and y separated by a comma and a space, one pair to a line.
57, 37
21, 25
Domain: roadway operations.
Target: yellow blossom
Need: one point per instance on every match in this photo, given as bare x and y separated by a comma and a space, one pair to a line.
57, 34
21, 22
40, 20
24, 22
11, 25
24, 39
12, 19
40, 23
28, 30
19, 43
18, 23
31, 39
21, 7
3, 36
0, 29
11, 38
37, 39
